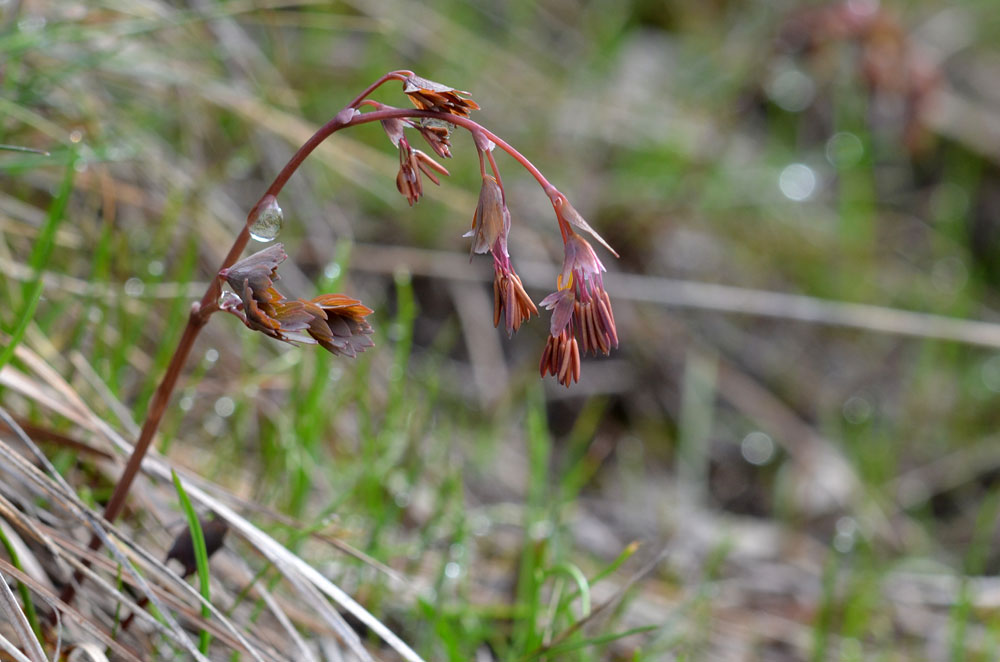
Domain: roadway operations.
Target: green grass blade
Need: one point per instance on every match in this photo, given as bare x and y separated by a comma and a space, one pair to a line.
626, 554
577, 576
200, 557
24, 319
597, 641
42, 249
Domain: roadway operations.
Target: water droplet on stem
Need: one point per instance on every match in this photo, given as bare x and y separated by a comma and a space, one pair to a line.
267, 223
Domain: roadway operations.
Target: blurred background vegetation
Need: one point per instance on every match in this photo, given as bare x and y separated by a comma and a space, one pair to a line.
798, 428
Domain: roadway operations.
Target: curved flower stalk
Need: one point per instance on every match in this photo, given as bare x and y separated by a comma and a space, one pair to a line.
581, 307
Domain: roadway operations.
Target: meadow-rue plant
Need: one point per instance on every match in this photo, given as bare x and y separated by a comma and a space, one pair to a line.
581, 306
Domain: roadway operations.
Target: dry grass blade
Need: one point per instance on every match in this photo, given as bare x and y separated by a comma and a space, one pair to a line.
300, 574
19, 382
12, 650
70, 551
279, 614
92, 651
294, 524
74, 553
72, 613
121, 412
15, 616
60, 492
58, 439
35, 531
305, 578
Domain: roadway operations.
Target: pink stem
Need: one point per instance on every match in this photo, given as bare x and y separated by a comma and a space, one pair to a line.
496, 173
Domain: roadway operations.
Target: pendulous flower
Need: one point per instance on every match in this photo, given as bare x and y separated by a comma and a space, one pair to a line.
334, 321
436, 132
580, 307
428, 95
259, 270
509, 296
491, 221
411, 163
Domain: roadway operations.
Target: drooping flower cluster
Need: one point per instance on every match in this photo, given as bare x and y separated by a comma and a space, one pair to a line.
580, 308
490, 229
491, 220
334, 321
411, 163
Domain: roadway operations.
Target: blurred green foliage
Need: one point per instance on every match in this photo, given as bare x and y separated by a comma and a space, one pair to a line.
759, 145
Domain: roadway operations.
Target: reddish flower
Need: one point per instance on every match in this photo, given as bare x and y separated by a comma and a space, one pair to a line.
579, 259
411, 163
580, 307
273, 315
428, 95
490, 227
491, 222
258, 270
581, 298
436, 132
562, 303
596, 324
509, 296
334, 321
